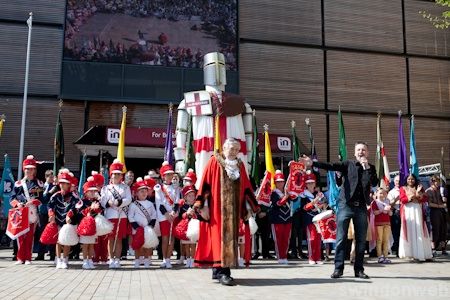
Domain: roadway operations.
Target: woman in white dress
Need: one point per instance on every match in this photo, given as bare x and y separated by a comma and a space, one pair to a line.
415, 242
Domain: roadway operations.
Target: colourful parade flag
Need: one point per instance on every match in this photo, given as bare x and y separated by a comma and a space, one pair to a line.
268, 157
295, 144
313, 152
2, 121
82, 176
381, 163
414, 169
168, 149
105, 173
401, 155
342, 141
442, 174
121, 146
217, 140
254, 172
6, 186
58, 145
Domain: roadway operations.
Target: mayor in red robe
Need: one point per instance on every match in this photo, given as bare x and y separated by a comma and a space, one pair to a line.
224, 193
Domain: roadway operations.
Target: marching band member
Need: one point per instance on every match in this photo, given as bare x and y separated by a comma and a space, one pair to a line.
311, 204
27, 192
190, 178
140, 214
187, 212
62, 210
91, 207
280, 218
115, 198
166, 197
101, 247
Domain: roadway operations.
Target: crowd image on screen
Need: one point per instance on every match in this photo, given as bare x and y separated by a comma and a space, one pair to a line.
217, 18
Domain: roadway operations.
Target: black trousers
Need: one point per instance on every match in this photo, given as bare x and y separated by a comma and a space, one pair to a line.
438, 218
295, 243
395, 227
263, 233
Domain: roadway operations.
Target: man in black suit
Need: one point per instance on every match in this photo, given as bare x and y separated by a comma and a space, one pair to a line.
358, 178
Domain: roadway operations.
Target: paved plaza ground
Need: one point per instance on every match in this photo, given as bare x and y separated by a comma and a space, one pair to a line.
263, 280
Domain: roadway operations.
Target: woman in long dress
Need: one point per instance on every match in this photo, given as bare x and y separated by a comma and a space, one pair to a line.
415, 242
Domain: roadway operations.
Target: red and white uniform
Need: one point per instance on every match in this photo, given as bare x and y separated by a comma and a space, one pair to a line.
166, 197
117, 210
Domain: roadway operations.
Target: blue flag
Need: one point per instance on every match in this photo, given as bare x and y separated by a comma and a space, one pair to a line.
105, 174
82, 176
412, 151
333, 191
6, 186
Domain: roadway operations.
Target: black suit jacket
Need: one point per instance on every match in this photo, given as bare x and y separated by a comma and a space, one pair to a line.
349, 170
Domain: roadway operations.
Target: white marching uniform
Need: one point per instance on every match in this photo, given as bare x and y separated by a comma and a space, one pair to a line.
135, 214
115, 212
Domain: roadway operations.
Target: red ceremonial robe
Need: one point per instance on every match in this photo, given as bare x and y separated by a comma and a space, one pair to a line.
218, 237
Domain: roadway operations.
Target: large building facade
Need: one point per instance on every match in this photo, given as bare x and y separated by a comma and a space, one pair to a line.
296, 59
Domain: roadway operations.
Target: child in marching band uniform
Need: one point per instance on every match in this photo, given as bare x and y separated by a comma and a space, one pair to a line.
142, 213
186, 211
381, 208
311, 205
91, 207
280, 218
62, 210
101, 247
166, 196
115, 198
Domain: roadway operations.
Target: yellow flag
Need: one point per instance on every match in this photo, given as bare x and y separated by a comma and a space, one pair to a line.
268, 156
217, 141
121, 147
1, 126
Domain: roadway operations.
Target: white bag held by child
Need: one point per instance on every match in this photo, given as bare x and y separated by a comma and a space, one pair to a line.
150, 237
68, 235
103, 225
253, 226
193, 230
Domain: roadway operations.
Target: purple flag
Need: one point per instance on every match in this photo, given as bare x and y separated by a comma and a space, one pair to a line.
168, 150
402, 158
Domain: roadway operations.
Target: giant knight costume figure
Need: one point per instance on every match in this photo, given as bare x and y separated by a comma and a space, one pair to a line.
201, 107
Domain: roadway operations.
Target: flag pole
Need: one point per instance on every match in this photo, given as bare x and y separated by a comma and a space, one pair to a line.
25, 96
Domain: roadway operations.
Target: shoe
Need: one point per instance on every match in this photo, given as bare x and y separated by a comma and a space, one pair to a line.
435, 253
181, 260
387, 261
337, 274
86, 265
137, 263
58, 263
362, 275
226, 280
39, 257
147, 263
311, 262
192, 263
117, 263
280, 261
256, 256
381, 259
64, 265
27, 262
319, 262
303, 256
241, 262
163, 265
112, 264
188, 263
18, 262
168, 264
91, 264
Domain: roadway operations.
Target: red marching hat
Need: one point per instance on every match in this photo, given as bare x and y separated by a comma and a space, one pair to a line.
166, 168
116, 167
98, 178
74, 180
139, 184
64, 176
279, 176
310, 177
188, 189
190, 175
149, 181
90, 185
29, 162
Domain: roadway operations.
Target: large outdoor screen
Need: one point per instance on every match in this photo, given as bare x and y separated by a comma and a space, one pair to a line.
174, 33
